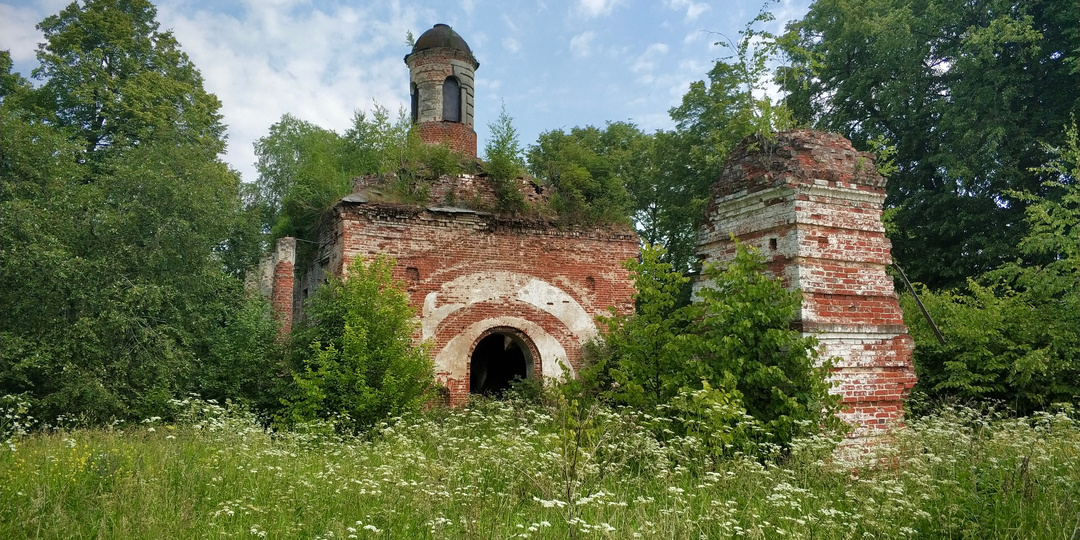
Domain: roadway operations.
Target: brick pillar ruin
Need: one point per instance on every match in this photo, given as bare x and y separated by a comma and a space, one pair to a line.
281, 295
441, 74
811, 204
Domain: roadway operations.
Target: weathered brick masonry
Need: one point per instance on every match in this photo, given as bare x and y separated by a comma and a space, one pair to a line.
499, 296
473, 274
283, 289
459, 137
442, 70
812, 205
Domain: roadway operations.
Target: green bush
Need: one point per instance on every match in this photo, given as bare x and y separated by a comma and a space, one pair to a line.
728, 366
586, 172
354, 359
742, 332
647, 355
1000, 345
243, 361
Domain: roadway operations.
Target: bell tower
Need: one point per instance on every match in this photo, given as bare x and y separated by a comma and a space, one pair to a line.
441, 73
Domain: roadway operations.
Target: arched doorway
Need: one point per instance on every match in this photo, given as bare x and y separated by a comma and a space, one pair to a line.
500, 356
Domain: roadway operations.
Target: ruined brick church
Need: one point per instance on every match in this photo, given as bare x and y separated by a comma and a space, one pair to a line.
500, 296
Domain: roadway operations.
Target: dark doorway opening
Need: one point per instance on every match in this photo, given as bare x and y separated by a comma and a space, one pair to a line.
496, 361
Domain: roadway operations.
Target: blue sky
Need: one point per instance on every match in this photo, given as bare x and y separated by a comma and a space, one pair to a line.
555, 64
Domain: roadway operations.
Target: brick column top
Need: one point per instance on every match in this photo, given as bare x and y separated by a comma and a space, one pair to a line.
796, 158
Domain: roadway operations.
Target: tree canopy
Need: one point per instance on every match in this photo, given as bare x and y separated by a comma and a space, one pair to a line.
110, 74
589, 169
119, 284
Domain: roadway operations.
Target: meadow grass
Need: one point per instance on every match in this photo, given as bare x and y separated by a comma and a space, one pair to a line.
505, 469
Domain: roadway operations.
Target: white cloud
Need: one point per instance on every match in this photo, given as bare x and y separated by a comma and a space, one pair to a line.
477, 40
581, 44
596, 8
647, 61
510, 24
17, 28
321, 59
317, 65
785, 12
693, 10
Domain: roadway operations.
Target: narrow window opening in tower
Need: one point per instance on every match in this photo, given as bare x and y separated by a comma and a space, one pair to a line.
451, 95
415, 106
496, 362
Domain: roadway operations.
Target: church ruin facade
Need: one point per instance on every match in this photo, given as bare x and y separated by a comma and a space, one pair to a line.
502, 296
499, 296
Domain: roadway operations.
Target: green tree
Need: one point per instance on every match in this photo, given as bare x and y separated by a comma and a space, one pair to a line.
714, 115
242, 361
966, 90
647, 350
712, 118
727, 367
303, 170
588, 169
743, 337
353, 354
505, 162
111, 287
377, 144
1013, 334
117, 217
11, 84
117, 80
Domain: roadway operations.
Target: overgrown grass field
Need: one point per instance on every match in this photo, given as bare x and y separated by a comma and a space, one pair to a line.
505, 469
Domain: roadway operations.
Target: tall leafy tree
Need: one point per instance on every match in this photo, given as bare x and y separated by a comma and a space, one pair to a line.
589, 169
302, 171
11, 84
731, 354
116, 210
116, 79
714, 115
1013, 334
966, 90
305, 169
354, 359
505, 162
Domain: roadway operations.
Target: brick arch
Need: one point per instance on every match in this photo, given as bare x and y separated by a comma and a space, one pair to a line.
499, 288
533, 360
452, 361
537, 323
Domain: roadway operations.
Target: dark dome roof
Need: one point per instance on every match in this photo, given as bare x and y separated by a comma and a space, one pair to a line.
440, 35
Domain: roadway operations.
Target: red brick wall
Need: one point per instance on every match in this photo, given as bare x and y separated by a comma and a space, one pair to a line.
459, 137
812, 205
469, 271
466, 190
281, 296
